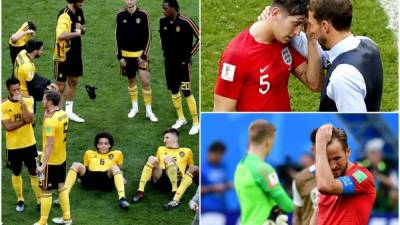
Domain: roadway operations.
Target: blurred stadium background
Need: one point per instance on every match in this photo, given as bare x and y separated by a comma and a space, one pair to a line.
292, 151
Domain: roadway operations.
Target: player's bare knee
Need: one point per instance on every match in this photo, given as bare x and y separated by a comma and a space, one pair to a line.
78, 167
153, 160
146, 85
114, 169
73, 82
193, 169
131, 82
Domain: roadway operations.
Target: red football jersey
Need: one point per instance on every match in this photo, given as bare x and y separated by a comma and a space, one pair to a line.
354, 206
256, 75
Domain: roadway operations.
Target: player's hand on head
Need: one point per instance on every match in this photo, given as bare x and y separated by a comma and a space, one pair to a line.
264, 14
307, 30
324, 133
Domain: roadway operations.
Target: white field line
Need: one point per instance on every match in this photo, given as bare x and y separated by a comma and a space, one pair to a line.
391, 8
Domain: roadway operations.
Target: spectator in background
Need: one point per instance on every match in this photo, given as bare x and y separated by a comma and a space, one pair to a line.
307, 160
214, 179
386, 178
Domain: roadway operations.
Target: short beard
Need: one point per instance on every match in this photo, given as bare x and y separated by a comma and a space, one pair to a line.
345, 169
322, 42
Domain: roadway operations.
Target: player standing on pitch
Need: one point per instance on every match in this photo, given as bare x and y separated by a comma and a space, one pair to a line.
347, 191
17, 118
177, 33
68, 65
133, 38
260, 194
54, 158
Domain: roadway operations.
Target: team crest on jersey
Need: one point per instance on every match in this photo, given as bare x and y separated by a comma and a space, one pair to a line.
181, 154
138, 20
111, 156
287, 58
124, 21
165, 28
178, 28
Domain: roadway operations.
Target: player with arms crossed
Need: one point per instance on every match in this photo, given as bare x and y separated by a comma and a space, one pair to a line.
53, 161
100, 169
260, 194
255, 67
346, 190
172, 166
17, 119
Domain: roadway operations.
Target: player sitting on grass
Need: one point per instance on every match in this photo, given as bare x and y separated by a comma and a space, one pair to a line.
172, 169
100, 167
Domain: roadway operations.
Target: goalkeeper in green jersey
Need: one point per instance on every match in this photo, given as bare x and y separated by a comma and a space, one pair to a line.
262, 199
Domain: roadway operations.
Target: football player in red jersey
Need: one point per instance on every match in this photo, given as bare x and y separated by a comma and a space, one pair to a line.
346, 190
255, 67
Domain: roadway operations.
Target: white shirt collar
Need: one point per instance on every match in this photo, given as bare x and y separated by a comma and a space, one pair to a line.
347, 44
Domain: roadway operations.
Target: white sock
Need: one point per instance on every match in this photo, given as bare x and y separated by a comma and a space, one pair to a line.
134, 105
68, 106
148, 109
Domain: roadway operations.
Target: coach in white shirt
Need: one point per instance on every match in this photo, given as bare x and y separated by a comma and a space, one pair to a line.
354, 80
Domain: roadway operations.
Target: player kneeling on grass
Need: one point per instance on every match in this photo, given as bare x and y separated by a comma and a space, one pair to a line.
100, 168
172, 169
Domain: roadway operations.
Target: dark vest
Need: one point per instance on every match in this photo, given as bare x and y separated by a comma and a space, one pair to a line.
366, 59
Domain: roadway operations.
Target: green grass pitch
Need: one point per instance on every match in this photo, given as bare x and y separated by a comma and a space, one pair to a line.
137, 138
223, 20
